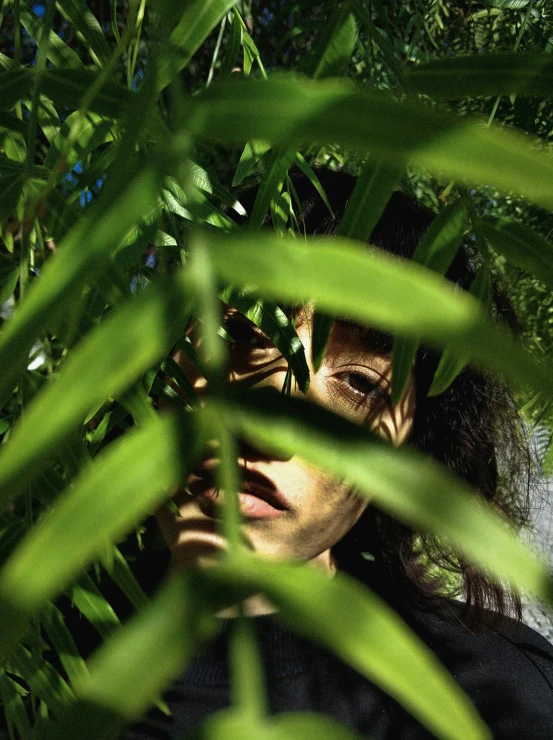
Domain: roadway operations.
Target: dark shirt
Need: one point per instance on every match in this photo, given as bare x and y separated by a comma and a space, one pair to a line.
505, 668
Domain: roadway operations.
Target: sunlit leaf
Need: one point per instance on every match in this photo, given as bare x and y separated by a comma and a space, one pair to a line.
401, 482
373, 288
108, 499
198, 19
87, 27
122, 348
284, 110
275, 324
360, 628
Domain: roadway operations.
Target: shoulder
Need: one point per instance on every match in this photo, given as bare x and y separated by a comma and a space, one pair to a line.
504, 666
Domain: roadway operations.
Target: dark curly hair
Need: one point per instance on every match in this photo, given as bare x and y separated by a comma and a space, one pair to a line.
473, 428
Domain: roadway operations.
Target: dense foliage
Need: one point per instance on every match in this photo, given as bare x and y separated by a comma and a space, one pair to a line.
126, 133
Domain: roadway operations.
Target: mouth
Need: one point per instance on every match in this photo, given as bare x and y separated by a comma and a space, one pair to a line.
258, 497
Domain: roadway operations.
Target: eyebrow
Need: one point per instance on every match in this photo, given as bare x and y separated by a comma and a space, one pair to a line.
367, 338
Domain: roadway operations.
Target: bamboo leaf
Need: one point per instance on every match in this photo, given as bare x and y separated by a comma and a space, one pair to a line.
361, 629
122, 575
96, 131
484, 74
278, 164
158, 643
59, 53
275, 324
436, 250
68, 86
88, 29
87, 598
41, 677
252, 154
288, 111
373, 288
111, 359
399, 481
452, 363
62, 642
110, 497
333, 52
234, 725
199, 18
104, 225
522, 246
14, 708
14, 85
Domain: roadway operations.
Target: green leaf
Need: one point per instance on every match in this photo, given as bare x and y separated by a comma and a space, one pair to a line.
54, 625
198, 20
275, 324
11, 190
87, 598
110, 497
58, 52
373, 188
157, 643
231, 724
96, 131
110, 359
41, 677
253, 152
333, 52
484, 74
14, 85
122, 575
68, 86
14, 708
452, 363
87, 27
233, 48
436, 250
373, 288
522, 246
381, 38
291, 111
278, 164
363, 630
12, 123
103, 226
399, 481
510, 4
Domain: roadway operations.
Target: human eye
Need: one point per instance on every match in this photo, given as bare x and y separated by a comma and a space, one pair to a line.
362, 389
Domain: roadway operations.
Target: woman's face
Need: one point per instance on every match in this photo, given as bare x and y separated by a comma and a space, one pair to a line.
291, 510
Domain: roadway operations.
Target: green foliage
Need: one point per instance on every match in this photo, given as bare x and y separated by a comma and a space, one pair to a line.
123, 137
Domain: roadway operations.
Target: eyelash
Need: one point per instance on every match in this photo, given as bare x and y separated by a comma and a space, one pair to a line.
362, 399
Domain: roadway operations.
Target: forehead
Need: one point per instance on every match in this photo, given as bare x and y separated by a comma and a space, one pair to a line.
348, 332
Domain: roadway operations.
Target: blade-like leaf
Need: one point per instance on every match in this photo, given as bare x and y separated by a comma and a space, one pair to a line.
361, 629
53, 622
235, 725
333, 51
67, 87
14, 707
451, 363
88, 29
102, 228
484, 74
278, 164
41, 677
59, 53
157, 643
436, 250
284, 110
95, 131
275, 324
405, 484
373, 288
14, 85
87, 598
110, 359
108, 499
198, 20
522, 246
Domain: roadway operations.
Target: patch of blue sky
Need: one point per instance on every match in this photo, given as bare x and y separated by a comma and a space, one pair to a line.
39, 9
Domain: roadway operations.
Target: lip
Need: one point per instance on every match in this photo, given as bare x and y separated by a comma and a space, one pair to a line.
258, 497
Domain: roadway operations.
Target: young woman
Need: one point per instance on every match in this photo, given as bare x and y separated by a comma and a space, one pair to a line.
292, 510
